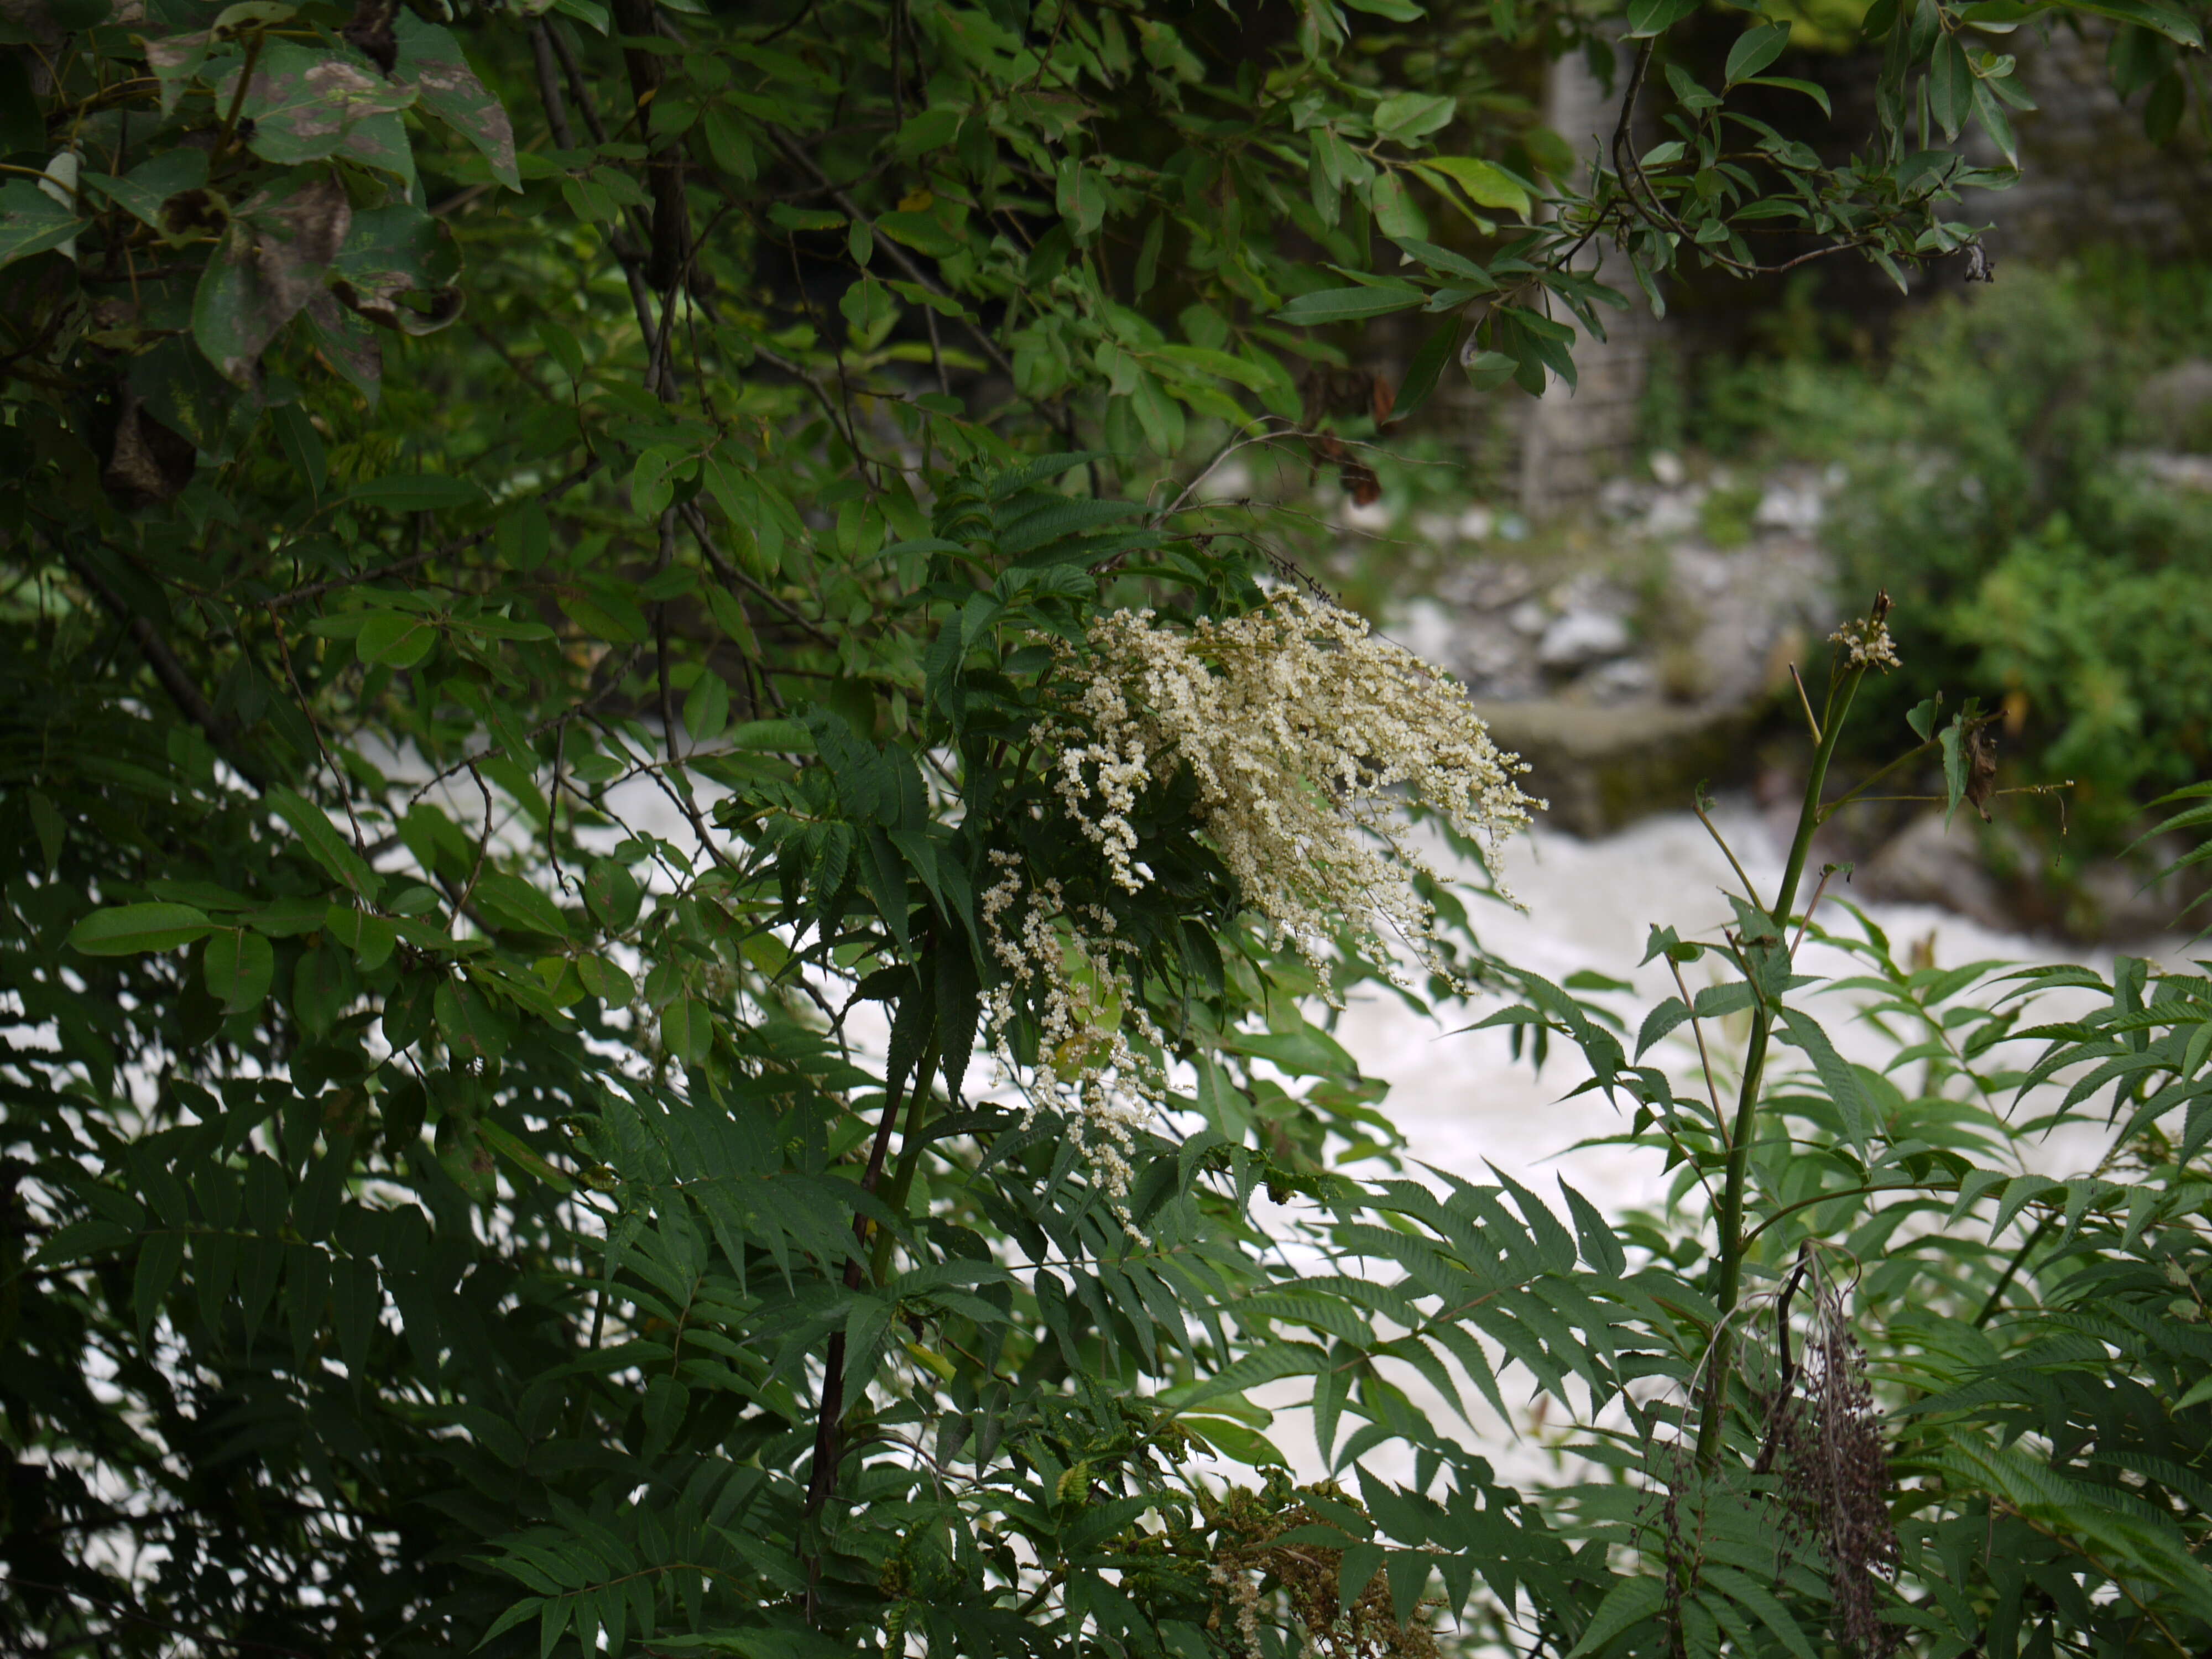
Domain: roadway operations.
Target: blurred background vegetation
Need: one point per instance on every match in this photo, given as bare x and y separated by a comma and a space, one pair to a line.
2003, 450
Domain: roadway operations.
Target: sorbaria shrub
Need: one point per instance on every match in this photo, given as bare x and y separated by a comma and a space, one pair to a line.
665, 900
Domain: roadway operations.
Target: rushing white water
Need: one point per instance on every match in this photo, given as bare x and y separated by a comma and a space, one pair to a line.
1460, 1100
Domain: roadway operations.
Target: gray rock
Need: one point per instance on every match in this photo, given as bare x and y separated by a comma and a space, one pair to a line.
1429, 631
1486, 584
1625, 680
1924, 864
1796, 509
1602, 768
1581, 637
2175, 404
2179, 472
1674, 513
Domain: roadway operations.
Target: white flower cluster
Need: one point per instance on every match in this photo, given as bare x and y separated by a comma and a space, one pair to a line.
1868, 641
1303, 733
1076, 971
1243, 1589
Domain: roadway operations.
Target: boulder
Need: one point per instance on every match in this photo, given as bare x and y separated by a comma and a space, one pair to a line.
2175, 407
1927, 864
1581, 637
1602, 768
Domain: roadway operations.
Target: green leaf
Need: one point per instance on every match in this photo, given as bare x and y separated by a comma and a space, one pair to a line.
468, 1020
143, 191
786, 737
395, 639
603, 613
271, 261
1835, 1073
1664, 1018
371, 938
1406, 116
1355, 1568
687, 1030
1427, 366
324, 844
1338, 305
2162, 110
130, 930
1630, 1602
1160, 415
161, 1256
1755, 49
399, 268
1649, 17
1487, 184
423, 492
517, 1153
1234, 1441
925, 233
706, 708
239, 968
1742, 1587
2175, 24
1950, 85
46, 824
307, 104
32, 222
513, 902
1811, 89
612, 894
431, 62
602, 979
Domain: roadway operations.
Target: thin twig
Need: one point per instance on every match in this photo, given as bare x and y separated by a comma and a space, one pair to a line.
660, 634
1797, 680
730, 572
190, 701
315, 726
1705, 1060
415, 561
1750, 892
583, 709
1806, 921
484, 845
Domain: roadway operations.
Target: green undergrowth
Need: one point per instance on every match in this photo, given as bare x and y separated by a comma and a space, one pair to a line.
1999, 482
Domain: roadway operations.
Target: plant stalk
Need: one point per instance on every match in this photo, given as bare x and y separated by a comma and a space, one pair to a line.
1729, 1246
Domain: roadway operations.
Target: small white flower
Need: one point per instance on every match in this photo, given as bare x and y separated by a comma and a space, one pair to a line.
1868, 641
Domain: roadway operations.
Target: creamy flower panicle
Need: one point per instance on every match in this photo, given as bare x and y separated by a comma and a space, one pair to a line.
1867, 640
1304, 735
1076, 974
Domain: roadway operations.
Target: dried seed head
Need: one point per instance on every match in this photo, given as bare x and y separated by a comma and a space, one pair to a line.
1835, 1478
